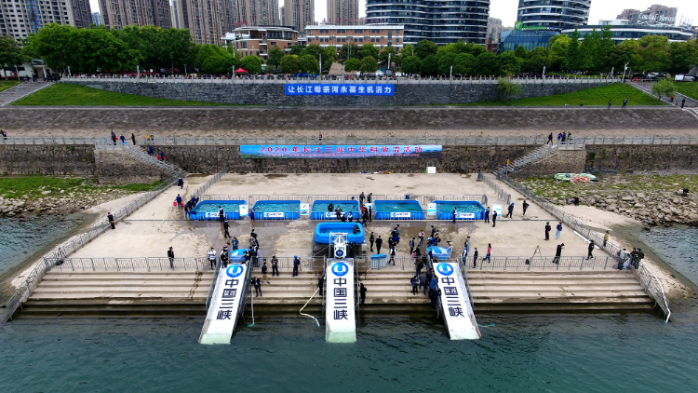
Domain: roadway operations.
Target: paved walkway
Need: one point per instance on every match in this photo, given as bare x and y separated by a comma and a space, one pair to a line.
20, 91
647, 88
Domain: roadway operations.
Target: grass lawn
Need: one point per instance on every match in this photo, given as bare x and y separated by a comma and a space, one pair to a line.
4, 85
594, 96
70, 94
33, 186
689, 89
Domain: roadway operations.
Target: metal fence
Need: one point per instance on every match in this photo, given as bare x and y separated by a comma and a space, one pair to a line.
264, 79
540, 263
200, 191
502, 195
129, 264
70, 246
137, 153
536, 140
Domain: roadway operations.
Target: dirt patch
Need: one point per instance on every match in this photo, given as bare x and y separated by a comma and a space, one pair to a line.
275, 175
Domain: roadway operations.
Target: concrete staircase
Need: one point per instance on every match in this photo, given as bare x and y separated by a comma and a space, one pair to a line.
114, 294
611, 291
286, 295
390, 291
20, 91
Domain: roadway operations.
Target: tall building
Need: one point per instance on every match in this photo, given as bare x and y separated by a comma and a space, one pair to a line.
282, 17
82, 14
494, 28
174, 14
553, 14
259, 40
299, 13
344, 12
117, 14
207, 20
336, 36
256, 12
655, 15
440, 21
96, 19
18, 19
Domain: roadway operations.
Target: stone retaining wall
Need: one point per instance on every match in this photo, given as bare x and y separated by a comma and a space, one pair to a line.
274, 93
568, 161
627, 159
47, 160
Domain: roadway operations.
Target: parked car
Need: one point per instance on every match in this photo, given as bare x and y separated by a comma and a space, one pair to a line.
685, 78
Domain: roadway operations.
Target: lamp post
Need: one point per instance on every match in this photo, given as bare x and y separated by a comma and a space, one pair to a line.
625, 68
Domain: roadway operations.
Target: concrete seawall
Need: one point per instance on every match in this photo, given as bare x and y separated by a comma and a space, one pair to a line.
273, 93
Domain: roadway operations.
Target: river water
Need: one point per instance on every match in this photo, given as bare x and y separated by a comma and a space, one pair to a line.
585, 353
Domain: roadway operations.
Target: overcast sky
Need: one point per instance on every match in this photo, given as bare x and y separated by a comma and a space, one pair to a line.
506, 9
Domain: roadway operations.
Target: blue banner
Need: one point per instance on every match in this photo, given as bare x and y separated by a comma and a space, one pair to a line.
339, 151
314, 89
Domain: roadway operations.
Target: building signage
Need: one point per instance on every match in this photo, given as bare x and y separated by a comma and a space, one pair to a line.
273, 214
431, 209
457, 310
243, 210
520, 26
305, 209
339, 151
341, 323
211, 215
225, 303
465, 215
400, 215
349, 89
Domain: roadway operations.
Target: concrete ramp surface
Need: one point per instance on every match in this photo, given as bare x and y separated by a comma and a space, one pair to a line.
340, 315
223, 311
458, 313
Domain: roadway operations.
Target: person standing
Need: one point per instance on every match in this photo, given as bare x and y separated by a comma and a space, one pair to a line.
454, 215
487, 215
226, 227
683, 102
548, 228
212, 258
296, 264
510, 211
221, 213
274, 266
224, 258
113, 137
625, 102
415, 283
466, 246
559, 230
489, 253
558, 252
123, 139
321, 284
170, 256
610, 102
361, 198
180, 183
320, 138
235, 243
525, 207
110, 217
494, 218
371, 240
257, 286
605, 239
476, 254
591, 249
265, 270
550, 139
411, 245
421, 238
379, 244
178, 200
433, 231
423, 282
362, 292
392, 254
133, 138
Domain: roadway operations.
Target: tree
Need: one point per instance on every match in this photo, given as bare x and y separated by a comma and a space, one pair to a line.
297, 50
349, 51
388, 52
521, 52
329, 57
430, 65
507, 89
589, 52
10, 52
654, 51
309, 63
624, 53
485, 64
407, 50
537, 59
558, 51
252, 64
352, 64
682, 55
314, 50
445, 64
275, 56
573, 59
290, 64
411, 65
369, 64
509, 64
474, 49
53, 44
368, 49
425, 48
463, 64
663, 88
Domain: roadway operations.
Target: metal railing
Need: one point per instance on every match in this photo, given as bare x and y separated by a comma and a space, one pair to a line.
502, 195
213, 282
200, 191
535, 140
137, 153
539, 263
63, 250
264, 79
652, 286
138, 264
